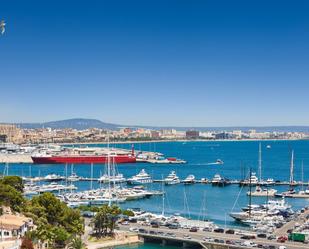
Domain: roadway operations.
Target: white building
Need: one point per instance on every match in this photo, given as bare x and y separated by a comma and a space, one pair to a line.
14, 226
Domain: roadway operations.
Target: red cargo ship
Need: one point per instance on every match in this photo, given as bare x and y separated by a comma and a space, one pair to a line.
84, 155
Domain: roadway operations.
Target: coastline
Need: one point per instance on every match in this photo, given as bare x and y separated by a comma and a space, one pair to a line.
181, 140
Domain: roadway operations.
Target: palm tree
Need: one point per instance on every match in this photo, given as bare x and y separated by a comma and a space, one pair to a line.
76, 243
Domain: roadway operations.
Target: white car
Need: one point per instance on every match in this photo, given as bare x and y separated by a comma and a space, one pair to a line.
133, 229
282, 247
249, 243
186, 236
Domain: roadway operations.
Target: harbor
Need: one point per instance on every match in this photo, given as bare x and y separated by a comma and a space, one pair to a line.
193, 190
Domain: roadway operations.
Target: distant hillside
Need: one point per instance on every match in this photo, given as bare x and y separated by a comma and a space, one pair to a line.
76, 123
82, 123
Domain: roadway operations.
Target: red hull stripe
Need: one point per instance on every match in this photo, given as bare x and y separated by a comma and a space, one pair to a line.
89, 159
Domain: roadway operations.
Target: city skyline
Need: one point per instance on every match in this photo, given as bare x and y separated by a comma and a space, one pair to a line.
164, 63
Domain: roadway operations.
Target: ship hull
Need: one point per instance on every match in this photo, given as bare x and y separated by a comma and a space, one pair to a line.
82, 159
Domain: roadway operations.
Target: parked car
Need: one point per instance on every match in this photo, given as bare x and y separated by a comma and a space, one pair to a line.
219, 230
186, 236
272, 237
207, 229
133, 229
155, 225
170, 235
193, 229
230, 231
262, 235
247, 237
282, 239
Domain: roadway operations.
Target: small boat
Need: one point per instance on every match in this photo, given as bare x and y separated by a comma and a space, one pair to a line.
217, 162
253, 180
269, 181
53, 178
216, 179
141, 178
220, 181
73, 177
204, 180
268, 146
189, 180
262, 192
172, 179
119, 178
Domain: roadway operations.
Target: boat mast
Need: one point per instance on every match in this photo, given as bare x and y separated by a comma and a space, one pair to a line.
302, 175
108, 172
292, 169
66, 175
163, 198
260, 162
91, 175
250, 196
185, 203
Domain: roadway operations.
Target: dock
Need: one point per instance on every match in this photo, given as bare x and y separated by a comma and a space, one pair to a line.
201, 181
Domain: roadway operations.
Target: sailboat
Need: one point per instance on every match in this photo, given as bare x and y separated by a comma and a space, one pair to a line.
73, 177
112, 176
302, 191
291, 190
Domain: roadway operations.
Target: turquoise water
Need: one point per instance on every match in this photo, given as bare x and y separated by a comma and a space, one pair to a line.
147, 246
219, 201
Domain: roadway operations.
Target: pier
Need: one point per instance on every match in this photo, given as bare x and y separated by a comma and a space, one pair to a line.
235, 182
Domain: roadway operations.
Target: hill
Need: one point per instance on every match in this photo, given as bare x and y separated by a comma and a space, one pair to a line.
82, 123
76, 123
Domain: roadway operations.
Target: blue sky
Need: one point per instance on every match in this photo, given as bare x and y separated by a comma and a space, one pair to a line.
185, 63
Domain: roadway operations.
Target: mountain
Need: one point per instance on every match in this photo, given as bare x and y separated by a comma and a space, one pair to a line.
82, 123
75, 123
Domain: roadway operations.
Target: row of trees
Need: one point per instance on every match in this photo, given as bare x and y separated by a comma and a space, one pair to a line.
57, 224
104, 222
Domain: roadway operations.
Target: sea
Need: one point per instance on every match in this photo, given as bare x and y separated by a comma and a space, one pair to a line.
198, 201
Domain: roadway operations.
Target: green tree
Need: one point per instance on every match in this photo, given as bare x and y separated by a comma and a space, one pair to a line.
104, 222
52, 207
14, 181
60, 236
72, 221
9, 196
76, 243
128, 212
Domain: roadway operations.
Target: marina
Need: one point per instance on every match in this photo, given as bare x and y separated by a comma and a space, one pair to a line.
154, 124
86, 178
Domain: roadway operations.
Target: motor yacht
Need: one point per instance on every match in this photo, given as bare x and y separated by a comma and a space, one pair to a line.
189, 180
141, 178
172, 179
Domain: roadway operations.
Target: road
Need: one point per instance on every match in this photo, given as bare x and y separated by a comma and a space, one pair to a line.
290, 225
198, 236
